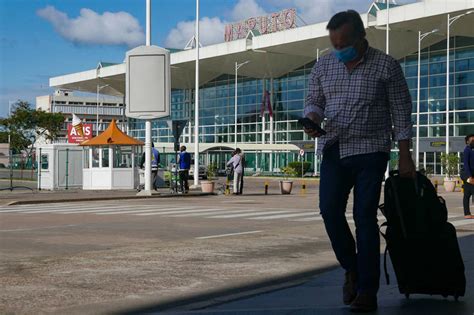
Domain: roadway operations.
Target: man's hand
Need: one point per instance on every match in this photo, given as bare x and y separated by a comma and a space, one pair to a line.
310, 132
406, 167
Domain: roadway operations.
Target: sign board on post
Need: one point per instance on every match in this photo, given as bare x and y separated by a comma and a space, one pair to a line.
148, 85
177, 127
73, 135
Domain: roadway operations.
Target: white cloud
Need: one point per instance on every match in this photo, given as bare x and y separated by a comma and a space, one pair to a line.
211, 30
119, 28
245, 9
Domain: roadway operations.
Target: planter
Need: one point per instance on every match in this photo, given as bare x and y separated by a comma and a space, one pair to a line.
449, 185
207, 186
286, 186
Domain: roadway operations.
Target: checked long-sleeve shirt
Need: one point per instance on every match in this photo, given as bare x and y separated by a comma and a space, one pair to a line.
365, 108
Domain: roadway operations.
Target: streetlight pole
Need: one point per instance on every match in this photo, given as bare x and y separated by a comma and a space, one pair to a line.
417, 154
99, 87
148, 152
237, 67
196, 102
318, 53
450, 20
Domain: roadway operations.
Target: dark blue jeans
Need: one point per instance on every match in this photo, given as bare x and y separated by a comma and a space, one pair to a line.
365, 174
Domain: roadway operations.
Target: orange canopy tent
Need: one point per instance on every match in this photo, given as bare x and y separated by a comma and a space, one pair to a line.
112, 136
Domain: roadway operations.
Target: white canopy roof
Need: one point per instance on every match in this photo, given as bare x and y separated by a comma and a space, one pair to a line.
275, 54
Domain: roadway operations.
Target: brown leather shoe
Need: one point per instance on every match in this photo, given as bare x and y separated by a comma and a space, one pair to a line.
364, 303
349, 290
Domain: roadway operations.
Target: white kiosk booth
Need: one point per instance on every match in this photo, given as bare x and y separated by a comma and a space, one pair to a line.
59, 166
111, 160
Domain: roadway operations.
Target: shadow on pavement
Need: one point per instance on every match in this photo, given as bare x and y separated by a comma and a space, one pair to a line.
322, 295
218, 297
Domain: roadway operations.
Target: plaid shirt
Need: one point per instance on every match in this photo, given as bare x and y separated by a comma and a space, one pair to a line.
360, 105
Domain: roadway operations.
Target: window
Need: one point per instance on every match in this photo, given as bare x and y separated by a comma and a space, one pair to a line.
105, 157
86, 158
44, 161
95, 157
123, 157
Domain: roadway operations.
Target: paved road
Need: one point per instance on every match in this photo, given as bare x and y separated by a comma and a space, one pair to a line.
88, 256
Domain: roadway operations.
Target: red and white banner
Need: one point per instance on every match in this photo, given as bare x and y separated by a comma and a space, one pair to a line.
74, 135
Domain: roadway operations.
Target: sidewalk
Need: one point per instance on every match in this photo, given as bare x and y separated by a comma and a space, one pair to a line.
18, 197
322, 295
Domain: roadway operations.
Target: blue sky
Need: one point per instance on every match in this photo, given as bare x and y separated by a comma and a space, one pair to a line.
44, 38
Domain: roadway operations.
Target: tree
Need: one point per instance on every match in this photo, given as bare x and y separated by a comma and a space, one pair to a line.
26, 125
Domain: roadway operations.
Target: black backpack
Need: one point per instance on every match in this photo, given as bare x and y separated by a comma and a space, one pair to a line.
412, 206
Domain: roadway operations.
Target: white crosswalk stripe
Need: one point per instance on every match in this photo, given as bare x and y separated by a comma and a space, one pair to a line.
283, 216
242, 215
463, 222
155, 211
209, 212
127, 210
89, 209
54, 207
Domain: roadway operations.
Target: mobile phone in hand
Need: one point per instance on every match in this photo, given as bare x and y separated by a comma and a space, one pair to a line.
309, 124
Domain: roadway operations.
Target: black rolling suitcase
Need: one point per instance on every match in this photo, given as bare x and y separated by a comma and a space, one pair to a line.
422, 245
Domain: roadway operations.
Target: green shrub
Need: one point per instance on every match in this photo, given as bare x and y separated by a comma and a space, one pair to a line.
289, 171
297, 167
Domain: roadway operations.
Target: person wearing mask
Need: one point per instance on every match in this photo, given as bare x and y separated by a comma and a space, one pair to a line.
155, 161
468, 175
236, 163
363, 94
184, 165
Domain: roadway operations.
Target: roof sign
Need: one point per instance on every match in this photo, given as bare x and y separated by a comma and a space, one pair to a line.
272, 23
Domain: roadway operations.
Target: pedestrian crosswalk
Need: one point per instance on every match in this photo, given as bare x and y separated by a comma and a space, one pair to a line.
182, 211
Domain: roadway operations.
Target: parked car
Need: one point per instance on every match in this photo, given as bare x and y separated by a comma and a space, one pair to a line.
202, 171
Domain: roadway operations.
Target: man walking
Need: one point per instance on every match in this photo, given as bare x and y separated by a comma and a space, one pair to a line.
468, 175
184, 165
361, 92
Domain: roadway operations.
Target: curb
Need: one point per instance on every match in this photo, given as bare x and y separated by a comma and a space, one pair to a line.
32, 202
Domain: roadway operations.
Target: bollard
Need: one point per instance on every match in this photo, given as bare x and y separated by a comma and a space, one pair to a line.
227, 186
436, 185
266, 188
303, 188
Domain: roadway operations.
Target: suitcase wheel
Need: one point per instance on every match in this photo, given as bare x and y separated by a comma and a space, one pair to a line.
407, 295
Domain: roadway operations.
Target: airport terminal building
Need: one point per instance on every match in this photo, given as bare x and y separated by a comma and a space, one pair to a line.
272, 62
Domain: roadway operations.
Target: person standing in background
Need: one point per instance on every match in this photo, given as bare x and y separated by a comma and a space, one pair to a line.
468, 175
236, 163
184, 165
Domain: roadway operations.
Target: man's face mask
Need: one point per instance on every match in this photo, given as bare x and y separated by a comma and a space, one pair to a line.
346, 54
471, 144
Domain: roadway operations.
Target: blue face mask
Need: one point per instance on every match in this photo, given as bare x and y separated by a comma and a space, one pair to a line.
346, 54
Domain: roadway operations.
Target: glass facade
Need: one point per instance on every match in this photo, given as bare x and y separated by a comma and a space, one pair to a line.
217, 122
433, 93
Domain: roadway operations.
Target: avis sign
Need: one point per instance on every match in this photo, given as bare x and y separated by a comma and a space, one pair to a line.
73, 136
272, 23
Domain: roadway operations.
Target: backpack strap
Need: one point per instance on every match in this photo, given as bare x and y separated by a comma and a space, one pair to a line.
384, 235
398, 207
